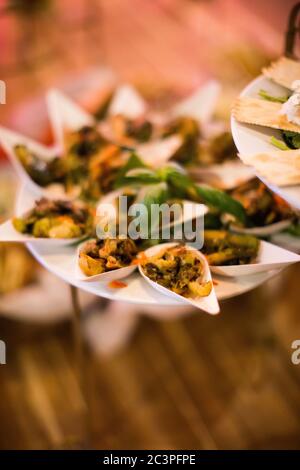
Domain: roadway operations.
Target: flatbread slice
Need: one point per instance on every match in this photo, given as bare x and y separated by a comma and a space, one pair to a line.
280, 167
262, 113
283, 71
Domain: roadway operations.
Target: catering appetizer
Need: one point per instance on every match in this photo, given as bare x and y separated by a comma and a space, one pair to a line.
100, 256
86, 169
280, 111
236, 255
195, 148
179, 270
56, 219
223, 248
274, 110
129, 132
263, 207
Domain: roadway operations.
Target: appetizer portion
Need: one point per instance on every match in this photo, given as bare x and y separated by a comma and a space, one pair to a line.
129, 132
262, 206
100, 256
197, 149
178, 269
56, 219
85, 142
273, 110
223, 248
87, 169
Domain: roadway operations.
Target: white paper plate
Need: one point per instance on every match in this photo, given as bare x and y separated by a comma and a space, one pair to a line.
128, 102
287, 241
9, 234
264, 231
65, 115
208, 304
159, 152
270, 258
201, 104
251, 139
8, 141
61, 261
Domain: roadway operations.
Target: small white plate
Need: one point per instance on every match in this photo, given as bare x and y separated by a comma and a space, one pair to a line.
201, 104
159, 152
128, 102
287, 241
264, 231
270, 257
9, 139
251, 139
65, 115
208, 304
9, 234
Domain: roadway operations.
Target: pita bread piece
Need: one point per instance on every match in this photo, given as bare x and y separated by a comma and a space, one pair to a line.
279, 167
283, 71
262, 113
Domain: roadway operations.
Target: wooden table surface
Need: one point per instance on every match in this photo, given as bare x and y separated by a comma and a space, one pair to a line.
195, 382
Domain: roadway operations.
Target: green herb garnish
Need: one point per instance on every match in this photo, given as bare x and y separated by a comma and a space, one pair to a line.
278, 143
179, 185
275, 99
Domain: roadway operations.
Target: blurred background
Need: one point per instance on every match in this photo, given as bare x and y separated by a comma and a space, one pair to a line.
190, 382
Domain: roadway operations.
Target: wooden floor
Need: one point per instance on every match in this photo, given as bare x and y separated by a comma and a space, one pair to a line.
198, 382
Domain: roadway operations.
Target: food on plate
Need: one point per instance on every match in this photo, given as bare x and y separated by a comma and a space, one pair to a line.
178, 269
262, 206
276, 111
188, 129
42, 172
195, 149
217, 149
56, 219
100, 256
129, 132
283, 71
89, 164
290, 110
223, 248
84, 142
294, 228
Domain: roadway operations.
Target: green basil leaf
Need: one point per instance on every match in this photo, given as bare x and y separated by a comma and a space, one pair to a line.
222, 201
182, 186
